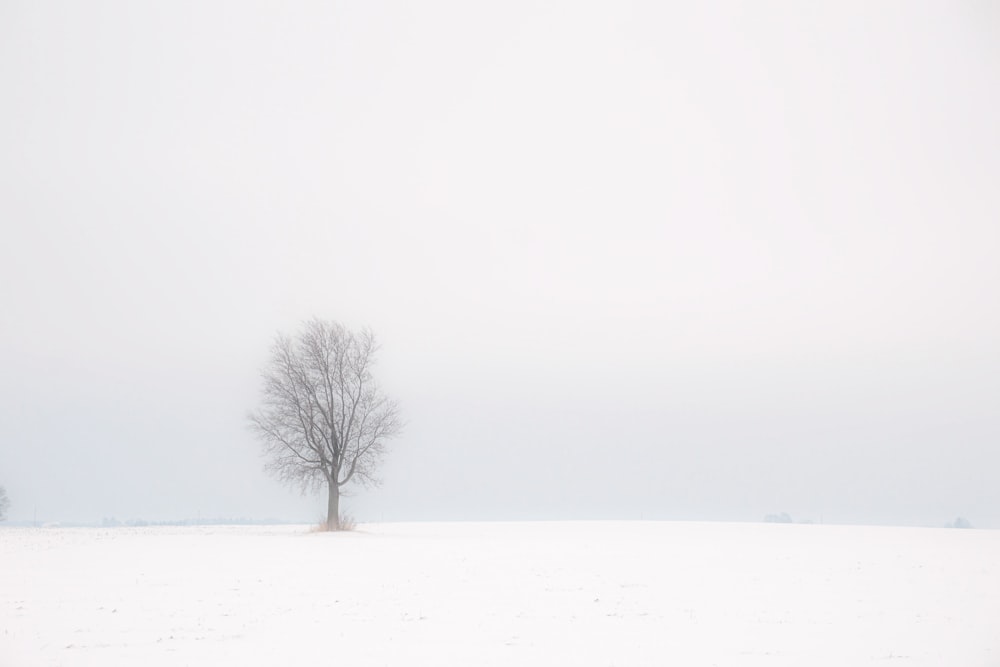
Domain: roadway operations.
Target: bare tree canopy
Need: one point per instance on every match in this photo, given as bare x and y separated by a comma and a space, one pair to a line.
4, 504
323, 421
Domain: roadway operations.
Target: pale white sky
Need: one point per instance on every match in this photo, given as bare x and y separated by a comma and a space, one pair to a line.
661, 260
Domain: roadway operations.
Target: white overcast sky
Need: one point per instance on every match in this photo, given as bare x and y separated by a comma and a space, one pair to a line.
694, 260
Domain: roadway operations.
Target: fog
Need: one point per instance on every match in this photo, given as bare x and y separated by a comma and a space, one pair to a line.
626, 260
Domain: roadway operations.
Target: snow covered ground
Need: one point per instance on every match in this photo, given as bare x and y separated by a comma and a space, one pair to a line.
567, 593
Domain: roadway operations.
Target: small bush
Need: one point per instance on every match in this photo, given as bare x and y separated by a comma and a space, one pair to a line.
346, 523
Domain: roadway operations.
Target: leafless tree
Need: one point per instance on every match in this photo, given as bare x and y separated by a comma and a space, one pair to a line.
4, 504
324, 422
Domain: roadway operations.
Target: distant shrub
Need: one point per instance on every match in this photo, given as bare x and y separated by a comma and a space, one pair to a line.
778, 518
960, 522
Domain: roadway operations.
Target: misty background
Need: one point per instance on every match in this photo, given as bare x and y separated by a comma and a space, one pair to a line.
625, 259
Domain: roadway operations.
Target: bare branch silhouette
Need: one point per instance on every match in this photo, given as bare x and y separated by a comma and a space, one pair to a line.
323, 421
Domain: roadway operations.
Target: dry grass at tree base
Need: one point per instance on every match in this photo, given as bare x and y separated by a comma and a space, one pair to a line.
347, 523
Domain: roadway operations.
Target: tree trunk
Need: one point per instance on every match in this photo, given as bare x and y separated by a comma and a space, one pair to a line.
333, 508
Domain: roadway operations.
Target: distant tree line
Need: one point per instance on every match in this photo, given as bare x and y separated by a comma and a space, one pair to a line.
112, 522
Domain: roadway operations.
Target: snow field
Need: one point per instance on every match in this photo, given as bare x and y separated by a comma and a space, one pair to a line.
574, 593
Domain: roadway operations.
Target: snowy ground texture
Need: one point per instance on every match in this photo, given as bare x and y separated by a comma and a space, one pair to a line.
601, 593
